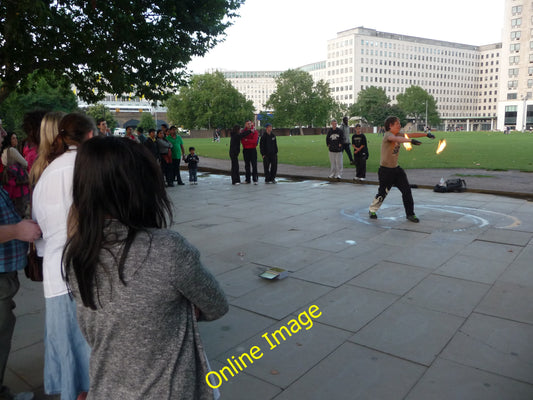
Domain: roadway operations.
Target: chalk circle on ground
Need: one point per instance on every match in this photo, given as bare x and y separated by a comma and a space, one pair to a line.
450, 218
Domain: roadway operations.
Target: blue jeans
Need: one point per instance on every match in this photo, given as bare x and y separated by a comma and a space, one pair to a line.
192, 174
66, 352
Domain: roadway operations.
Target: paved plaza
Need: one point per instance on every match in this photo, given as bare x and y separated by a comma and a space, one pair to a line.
436, 310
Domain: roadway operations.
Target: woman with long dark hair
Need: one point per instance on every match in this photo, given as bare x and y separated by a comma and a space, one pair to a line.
66, 359
140, 287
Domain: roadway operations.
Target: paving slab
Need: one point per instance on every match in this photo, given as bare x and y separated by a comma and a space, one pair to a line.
410, 332
290, 356
351, 308
358, 373
508, 300
390, 277
281, 297
446, 380
496, 345
450, 295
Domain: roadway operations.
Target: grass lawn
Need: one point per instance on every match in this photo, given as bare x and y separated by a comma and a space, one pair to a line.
481, 150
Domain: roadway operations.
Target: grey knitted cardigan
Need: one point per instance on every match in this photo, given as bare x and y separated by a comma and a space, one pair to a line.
144, 335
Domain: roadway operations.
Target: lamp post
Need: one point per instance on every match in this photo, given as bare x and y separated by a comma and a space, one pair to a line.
524, 120
427, 126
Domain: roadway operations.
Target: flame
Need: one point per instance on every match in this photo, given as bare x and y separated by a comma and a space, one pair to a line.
408, 146
442, 146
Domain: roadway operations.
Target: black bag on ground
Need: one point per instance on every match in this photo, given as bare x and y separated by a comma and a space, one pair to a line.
455, 185
451, 185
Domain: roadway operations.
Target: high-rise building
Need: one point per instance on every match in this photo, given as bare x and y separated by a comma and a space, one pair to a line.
451, 72
515, 98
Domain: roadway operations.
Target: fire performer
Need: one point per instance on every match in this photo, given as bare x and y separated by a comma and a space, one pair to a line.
390, 173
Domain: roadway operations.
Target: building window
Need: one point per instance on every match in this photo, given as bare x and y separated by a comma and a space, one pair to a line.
515, 35
515, 47
516, 10
516, 59
516, 22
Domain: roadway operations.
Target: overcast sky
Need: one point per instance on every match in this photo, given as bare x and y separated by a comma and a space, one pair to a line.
276, 35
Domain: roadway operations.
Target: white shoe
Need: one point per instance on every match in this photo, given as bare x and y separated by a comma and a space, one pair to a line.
330, 176
362, 179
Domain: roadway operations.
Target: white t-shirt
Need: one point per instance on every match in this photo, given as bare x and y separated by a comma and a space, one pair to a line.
52, 198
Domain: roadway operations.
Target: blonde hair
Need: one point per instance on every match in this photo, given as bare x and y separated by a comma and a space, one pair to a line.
49, 131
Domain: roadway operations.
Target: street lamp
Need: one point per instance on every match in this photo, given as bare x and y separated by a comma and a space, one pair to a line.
524, 121
427, 125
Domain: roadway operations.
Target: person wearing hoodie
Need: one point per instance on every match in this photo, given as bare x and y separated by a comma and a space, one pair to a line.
269, 150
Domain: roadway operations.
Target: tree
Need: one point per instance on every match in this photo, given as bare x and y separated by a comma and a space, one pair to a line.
146, 122
297, 101
100, 111
128, 46
413, 101
209, 101
45, 91
372, 105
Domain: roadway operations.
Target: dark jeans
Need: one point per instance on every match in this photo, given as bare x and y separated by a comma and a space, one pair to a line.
168, 172
250, 160
389, 177
235, 177
192, 174
176, 170
360, 166
9, 285
347, 147
270, 165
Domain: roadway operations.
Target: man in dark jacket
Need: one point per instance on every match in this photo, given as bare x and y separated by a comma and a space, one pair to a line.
268, 147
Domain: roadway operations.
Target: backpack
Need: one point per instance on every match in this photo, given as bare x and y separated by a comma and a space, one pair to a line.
451, 185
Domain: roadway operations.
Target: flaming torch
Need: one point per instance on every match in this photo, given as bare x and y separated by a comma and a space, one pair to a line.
407, 145
442, 146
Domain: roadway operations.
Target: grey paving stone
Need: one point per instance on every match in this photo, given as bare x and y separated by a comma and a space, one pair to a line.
247, 251
292, 357
333, 242
243, 386
400, 237
494, 344
293, 259
446, 380
281, 297
217, 266
473, 268
449, 295
356, 373
505, 253
234, 328
506, 236
242, 280
351, 308
508, 300
334, 270
390, 277
28, 364
520, 271
410, 332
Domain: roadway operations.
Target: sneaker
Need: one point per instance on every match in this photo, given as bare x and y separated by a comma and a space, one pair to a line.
355, 179
273, 181
237, 183
362, 179
255, 182
268, 182
372, 215
181, 183
247, 182
330, 176
413, 218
